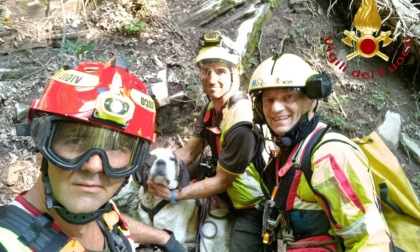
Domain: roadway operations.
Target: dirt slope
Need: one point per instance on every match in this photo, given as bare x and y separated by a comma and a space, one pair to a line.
300, 29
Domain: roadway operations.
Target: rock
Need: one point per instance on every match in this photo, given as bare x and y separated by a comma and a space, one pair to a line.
247, 27
160, 89
21, 112
12, 176
411, 145
390, 130
207, 11
158, 63
127, 199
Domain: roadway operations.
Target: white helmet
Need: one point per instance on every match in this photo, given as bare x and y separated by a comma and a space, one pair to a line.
214, 47
290, 71
287, 71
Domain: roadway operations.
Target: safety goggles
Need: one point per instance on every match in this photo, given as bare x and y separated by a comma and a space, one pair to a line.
214, 38
69, 144
219, 71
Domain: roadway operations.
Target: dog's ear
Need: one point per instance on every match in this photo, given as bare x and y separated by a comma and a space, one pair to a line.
141, 175
184, 176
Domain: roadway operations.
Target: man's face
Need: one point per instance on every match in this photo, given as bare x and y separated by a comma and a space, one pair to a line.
283, 108
83, 190
216, 79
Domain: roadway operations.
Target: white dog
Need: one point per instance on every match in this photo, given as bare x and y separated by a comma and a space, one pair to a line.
183, 217
180, 218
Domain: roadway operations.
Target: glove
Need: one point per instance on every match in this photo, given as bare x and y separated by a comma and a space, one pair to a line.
173, 245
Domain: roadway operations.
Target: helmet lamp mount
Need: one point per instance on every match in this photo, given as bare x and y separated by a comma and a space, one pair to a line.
216, 39
115, 108
212, 37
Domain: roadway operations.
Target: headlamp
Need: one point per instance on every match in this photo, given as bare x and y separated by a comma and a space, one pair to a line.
116, 108
214, 38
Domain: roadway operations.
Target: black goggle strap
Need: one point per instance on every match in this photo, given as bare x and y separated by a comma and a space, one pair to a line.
74, 218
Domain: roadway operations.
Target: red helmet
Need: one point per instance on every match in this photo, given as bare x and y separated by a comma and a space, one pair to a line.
95, 108
100, 93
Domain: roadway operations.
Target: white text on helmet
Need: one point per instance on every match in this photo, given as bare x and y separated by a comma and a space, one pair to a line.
76, 78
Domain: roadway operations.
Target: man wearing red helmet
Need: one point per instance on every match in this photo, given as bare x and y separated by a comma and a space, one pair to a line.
93, 125
324, 200
225, 124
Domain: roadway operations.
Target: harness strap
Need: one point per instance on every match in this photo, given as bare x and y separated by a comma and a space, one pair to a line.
116, 240
34, 232
307, 167
155, 210
37, 232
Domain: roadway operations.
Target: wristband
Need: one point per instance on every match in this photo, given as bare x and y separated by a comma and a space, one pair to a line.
173, 197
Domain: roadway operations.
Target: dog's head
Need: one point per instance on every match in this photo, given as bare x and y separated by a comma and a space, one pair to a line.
166, 169
163, 167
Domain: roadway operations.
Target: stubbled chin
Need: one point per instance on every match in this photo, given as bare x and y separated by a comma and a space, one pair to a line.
279, 129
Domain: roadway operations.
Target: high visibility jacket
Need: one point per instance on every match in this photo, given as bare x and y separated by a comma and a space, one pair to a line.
245, 191
345, 206
10, 241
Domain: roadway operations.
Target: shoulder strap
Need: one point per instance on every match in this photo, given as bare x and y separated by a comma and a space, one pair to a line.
235, 98
34, 232
115, 237
232, 100
306, 159
306, 165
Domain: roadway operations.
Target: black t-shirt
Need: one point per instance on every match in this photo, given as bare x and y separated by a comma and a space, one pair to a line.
238, 147
238, 150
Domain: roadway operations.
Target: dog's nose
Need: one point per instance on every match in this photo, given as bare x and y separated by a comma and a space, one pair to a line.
160, 166
160, 162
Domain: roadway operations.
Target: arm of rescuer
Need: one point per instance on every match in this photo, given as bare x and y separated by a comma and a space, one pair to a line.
342, 176
146, 234
191, 150
236, 154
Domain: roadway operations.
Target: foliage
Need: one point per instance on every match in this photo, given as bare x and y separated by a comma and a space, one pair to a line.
249, 61
78, 47
297, 34
274, 3
360, 122
132, 28
378, 100
416, 179
130, 18
193, 87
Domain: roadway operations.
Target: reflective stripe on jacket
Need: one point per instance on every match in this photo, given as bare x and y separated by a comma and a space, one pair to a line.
245, 191
346, 194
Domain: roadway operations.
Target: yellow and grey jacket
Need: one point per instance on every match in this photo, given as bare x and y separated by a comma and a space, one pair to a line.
245, 191
342, 208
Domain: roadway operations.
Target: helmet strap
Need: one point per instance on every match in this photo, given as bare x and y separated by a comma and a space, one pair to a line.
302, 128
73, 218
82, 218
